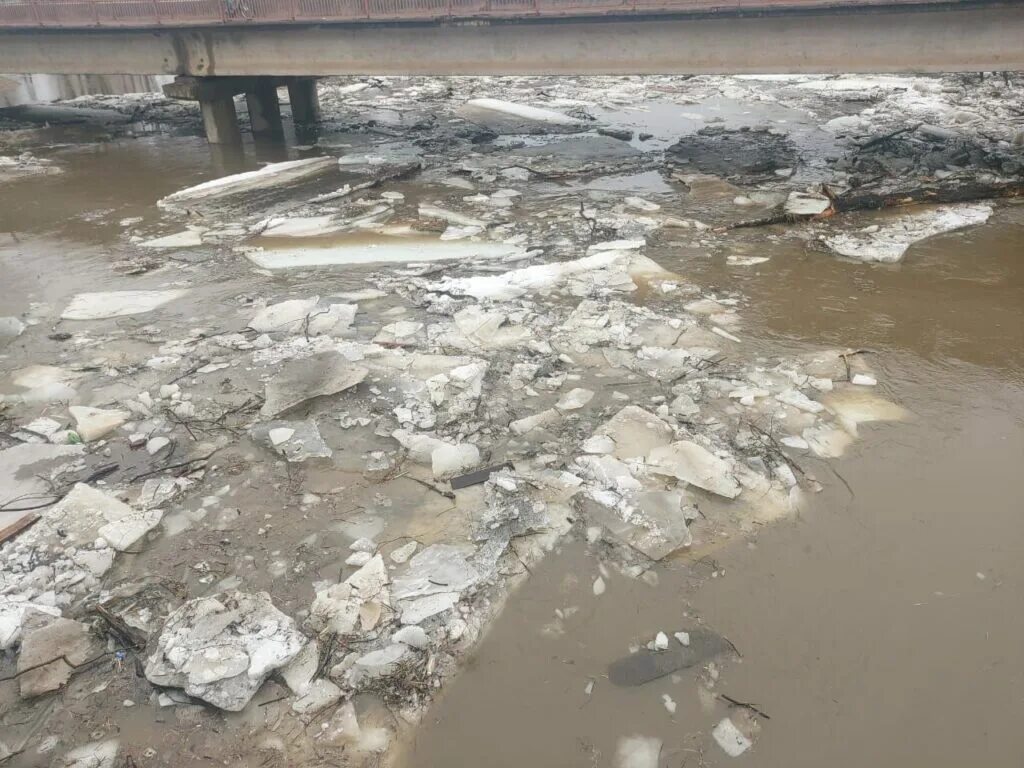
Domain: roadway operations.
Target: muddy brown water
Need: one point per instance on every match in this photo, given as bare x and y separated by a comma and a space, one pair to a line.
881, 627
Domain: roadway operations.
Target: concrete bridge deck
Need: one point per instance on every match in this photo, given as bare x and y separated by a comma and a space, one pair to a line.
327, 37
64, 14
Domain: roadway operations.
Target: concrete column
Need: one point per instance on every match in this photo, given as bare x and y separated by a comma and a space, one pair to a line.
264, 109
305, 102
220, 119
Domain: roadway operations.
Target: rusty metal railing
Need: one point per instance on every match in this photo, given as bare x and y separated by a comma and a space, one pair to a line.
200, 13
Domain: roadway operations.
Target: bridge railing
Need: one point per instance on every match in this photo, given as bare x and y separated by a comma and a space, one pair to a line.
191, 13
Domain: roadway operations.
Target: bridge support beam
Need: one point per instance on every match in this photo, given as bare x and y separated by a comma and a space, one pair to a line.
305, 101
220, 119
264, 109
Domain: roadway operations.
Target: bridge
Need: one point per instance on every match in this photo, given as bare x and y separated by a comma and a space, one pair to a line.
221, 48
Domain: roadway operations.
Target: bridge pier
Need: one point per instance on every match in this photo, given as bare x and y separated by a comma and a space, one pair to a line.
216, 97
220, 119
264, 109
305, 101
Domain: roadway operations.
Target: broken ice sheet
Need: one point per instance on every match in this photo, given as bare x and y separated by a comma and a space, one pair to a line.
187, 239
326, 373
304, 316
636, 432
358, 250
889, 241
106, 304
651, 522
521, 111
295, 440
221, 648
271, 175
695, 465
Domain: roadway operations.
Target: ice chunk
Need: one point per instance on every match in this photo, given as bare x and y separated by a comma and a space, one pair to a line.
448, 460
270, 175
380, 663
574, 399
12, 616
806, 204
438, 568
890, 241
696, 465
98, 754
730, 738
94, 423
123, 533
300, 226
800, 401
62, 643
106, 304
356, 600
638, 752
304, 316
636, 432
412, 636
187, 239
295, 440
422, 608
452, 217
11, 328
221, 648
392, 249
318, 696
536, 114
327, 373
604, 270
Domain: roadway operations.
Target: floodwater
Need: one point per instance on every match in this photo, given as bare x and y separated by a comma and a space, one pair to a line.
880, 627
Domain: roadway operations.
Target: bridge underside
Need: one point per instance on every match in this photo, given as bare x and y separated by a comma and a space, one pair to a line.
986, 37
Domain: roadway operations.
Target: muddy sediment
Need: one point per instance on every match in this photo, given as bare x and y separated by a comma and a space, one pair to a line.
482, 410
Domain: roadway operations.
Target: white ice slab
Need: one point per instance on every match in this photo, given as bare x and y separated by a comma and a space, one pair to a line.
272, 175
524, 111
104, 304
369, 253
889, 242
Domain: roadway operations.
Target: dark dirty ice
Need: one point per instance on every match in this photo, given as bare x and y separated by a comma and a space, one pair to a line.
666, 342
